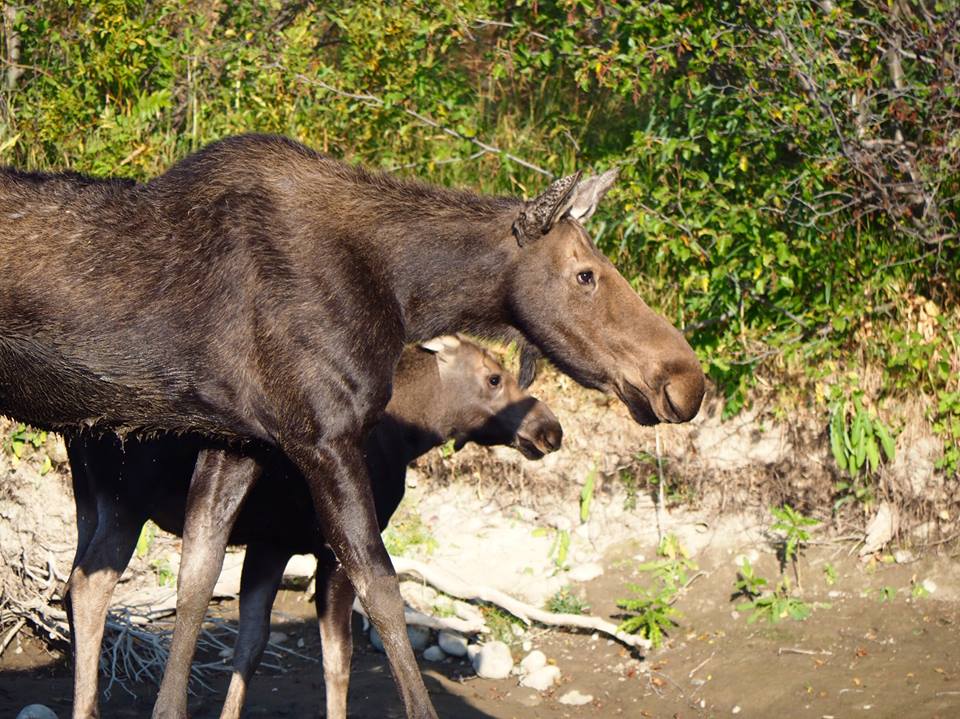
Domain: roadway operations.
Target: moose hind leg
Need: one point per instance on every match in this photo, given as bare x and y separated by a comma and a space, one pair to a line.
339, 484
334, 600
263, 568
218, 487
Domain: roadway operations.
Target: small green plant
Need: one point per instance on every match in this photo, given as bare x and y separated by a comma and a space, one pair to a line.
586, 494
447, 449
917, 590
500, 622
887, 594
792, 525
407, 532
857, 437
567, 601
145, 541
649, 612
166, 577
24, 438
629, 481
946, 424
748, 583
776, 605
830, 574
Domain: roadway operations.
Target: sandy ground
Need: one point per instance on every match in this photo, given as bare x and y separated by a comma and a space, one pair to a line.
869, 649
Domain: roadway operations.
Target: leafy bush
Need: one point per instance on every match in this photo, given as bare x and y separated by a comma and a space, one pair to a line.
789, 172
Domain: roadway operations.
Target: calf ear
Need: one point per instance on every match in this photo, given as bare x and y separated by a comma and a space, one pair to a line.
587, 194
539, 215
438, 344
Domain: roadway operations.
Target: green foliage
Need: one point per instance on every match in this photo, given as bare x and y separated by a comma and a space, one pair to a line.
649, 612
24, 440
748, 583
586, 494
860, 443
793, 527
887, 594
830, 575
148, 533
764, 201
407, 532
567, 601
776, 605
164, 573
629, 481
947, 425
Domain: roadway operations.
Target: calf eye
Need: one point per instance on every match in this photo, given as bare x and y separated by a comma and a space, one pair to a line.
585, 277
494, 380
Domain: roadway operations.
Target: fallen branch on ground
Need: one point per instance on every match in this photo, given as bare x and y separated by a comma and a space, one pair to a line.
455, 587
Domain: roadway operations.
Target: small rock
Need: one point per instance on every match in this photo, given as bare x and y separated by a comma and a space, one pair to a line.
929, 585
36, 711
575, 699
453, 643
226, 654
277, 638
56, 449
585, 572
434, 653
493, 661
750, 556
527, 645
541, 679
518, 631
533, 661
301, 643
419, 637
735, 710
903, 556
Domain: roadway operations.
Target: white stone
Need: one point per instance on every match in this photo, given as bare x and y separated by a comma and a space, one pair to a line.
735, 710
903, 556
533, 661
585, 572
929, 585
277, 638
575, 699
527, 645
36, 711
472, 651
453, 643
434, 653
493, 661
541, 679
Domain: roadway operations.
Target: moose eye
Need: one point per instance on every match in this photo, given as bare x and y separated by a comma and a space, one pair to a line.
585, 277
494, 380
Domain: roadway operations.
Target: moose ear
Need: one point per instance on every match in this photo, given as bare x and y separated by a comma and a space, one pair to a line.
438, 344
540, 214
587, 194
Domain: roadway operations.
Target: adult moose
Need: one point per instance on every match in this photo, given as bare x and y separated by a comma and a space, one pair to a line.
261, 291
448, 388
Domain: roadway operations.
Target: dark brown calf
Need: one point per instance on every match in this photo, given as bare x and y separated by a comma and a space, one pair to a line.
447, 389
261, 291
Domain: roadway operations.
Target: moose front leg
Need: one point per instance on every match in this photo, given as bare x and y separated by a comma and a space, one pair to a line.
334, 602
340, 487
220, 482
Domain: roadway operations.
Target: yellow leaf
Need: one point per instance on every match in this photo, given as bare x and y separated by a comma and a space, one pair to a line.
743, 163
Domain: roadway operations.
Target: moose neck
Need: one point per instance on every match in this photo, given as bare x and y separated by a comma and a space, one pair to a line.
442, 253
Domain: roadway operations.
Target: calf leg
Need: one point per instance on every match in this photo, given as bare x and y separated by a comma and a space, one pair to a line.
334, 600
338, 481
106, 539
263, 568
219, 485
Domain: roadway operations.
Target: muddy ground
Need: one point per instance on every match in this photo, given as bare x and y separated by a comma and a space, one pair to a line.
869, 649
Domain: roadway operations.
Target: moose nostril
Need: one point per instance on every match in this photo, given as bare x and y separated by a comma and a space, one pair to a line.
683, 396
554, 438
